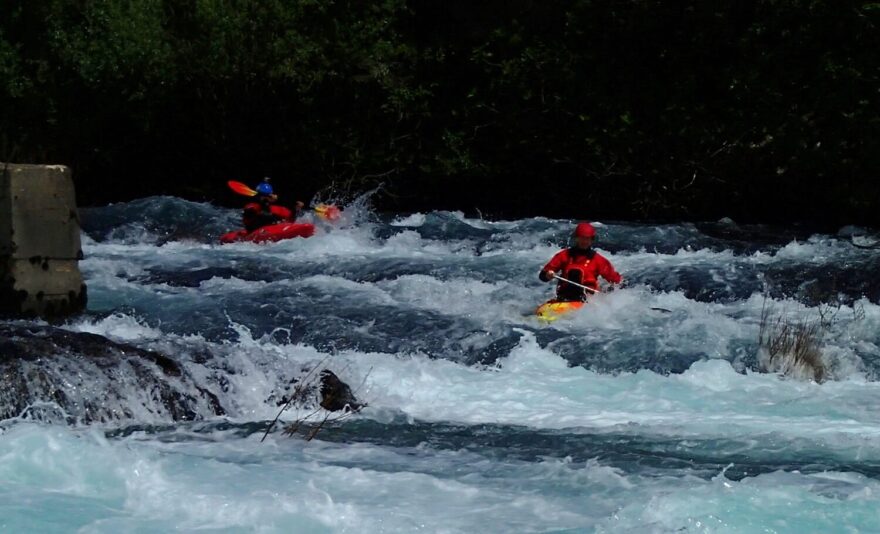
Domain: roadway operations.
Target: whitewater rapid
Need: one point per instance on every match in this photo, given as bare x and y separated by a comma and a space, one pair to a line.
480, 418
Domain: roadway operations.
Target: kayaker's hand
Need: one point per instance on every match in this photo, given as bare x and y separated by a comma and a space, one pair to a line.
550, 275
299, 204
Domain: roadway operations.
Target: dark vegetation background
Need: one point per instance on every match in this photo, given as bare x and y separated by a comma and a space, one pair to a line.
759, 110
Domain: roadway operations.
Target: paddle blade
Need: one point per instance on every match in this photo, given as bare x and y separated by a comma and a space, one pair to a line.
328, 212
241, 188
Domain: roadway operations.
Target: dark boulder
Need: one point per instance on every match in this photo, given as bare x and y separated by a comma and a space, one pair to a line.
327, 391
49, 373
336, 395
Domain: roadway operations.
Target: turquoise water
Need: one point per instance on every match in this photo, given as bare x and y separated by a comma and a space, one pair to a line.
619, 418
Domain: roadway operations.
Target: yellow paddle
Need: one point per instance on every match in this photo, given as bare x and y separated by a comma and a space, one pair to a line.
328, 212
664, 310
575, 284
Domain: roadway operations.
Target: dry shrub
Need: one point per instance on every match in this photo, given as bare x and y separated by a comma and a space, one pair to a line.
330, 399
791, 347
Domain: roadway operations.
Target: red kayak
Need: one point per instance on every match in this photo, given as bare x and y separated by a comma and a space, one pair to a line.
270, 233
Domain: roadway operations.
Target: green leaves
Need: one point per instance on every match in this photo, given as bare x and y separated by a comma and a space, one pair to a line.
13, 82
661, 106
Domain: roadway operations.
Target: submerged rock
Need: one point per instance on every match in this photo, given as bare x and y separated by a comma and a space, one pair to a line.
328, 391
335, 394
47, 373
752, 234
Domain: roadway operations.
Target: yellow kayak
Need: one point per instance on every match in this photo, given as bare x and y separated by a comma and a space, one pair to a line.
552, 309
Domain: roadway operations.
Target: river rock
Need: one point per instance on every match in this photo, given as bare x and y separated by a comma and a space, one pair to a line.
48, 373
336, 395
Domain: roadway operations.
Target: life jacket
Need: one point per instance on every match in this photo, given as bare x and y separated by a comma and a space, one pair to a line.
281, 211
577, 269
259, 214
580, 266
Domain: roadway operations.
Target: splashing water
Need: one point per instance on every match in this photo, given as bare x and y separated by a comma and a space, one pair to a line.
616, 418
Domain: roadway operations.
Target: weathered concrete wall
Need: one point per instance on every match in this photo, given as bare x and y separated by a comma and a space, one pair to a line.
39, 242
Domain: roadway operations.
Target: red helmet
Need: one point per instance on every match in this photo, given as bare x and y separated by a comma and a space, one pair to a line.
584, 229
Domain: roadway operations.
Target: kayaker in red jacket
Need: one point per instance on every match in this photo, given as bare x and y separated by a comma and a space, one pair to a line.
264, 212
580, 264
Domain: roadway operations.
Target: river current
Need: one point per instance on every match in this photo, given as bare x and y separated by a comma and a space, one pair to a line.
646, 411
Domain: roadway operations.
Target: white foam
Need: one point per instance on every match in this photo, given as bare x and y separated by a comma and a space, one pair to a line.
413, 221
218, 482
480, 283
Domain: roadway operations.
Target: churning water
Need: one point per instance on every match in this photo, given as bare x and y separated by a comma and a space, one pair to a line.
618, 418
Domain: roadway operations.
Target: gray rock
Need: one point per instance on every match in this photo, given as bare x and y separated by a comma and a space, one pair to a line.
47, 373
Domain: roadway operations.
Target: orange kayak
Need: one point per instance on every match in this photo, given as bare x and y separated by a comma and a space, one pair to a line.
554, 309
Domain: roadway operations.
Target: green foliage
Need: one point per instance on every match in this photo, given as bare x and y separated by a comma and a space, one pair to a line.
758, 110
113, 45
13, 83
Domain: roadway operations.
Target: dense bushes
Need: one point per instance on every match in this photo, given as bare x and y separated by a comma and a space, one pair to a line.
759, 110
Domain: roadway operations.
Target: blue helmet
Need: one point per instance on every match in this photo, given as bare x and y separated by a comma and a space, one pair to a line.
265, 188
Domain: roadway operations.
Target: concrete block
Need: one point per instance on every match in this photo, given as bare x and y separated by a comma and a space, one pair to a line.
39, 241
38, 208
42, 287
